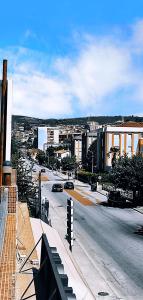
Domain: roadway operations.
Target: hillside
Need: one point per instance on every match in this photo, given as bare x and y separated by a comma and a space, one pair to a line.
73, 121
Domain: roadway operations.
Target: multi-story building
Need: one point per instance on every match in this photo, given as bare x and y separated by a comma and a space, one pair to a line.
87, 139
77, 148
48, 136
126, 137
60, 154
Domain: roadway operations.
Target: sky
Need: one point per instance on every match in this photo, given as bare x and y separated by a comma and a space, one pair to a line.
74, 58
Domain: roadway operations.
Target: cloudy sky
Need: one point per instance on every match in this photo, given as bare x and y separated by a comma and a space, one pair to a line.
72, 58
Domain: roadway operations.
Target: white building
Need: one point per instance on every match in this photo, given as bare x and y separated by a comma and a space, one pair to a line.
127, 137
77, 148
60, 154
47, 136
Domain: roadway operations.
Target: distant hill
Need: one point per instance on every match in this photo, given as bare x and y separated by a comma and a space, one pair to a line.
72, 121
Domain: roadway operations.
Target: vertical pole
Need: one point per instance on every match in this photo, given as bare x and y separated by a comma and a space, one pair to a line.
40, 213
3, 117
5, 106
92, 161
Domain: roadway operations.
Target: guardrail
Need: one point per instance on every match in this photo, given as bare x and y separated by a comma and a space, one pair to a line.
53, 281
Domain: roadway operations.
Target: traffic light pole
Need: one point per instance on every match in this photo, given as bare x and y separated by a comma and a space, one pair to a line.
70, 222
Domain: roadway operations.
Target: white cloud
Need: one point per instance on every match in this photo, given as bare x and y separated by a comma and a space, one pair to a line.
40, 95
87, 82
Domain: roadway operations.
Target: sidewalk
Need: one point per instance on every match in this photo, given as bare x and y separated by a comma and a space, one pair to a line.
139, 209
93, 195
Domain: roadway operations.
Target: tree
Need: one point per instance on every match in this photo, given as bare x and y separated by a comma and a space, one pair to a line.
68, 163
40, 157
91, 158
127, 174
26, 187
114, 151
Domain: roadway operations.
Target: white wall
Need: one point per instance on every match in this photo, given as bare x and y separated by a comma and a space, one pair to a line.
56, 136
42, 137
78, 150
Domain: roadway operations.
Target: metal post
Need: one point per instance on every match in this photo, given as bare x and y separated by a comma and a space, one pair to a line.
40, 204
92, 161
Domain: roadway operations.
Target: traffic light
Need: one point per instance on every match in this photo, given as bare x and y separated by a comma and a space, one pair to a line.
70, 222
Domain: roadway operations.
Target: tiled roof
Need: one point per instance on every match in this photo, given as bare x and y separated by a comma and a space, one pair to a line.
129, 124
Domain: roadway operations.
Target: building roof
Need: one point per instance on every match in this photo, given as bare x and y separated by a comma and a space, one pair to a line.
129, 124
62, 151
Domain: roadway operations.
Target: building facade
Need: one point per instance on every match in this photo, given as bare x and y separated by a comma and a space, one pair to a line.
77, 148
47, 136
87, 139
127, 138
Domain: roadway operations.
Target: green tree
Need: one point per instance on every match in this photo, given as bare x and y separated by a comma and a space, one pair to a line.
115, 152
91, 159
127, 174
26, 187
68, 163
40, 157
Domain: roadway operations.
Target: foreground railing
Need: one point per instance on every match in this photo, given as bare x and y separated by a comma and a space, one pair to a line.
50, 281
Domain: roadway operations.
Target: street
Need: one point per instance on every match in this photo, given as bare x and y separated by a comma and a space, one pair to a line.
105, 238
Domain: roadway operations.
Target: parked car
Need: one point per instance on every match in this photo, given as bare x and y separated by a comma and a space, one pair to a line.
94, 187
69, 185
116, 199
57, 187
43, 170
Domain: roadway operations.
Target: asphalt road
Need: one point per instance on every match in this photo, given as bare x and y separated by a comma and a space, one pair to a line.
108, 237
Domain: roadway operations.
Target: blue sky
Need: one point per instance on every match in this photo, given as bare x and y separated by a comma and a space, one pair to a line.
73, 58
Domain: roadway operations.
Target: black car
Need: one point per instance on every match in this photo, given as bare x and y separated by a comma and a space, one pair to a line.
116, 199
57, 187
69, 185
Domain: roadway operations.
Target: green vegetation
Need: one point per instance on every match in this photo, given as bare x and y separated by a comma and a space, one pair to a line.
127, 174
73, 121
68, 163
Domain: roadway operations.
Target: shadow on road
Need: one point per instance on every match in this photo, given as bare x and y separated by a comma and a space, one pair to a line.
127, 205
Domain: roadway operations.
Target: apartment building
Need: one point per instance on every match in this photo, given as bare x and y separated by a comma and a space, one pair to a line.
77, 147
127, 137
47, 136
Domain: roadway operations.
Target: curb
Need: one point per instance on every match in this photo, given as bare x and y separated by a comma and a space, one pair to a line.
141, 212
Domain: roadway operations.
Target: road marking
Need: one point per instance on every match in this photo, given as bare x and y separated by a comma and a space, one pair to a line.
87, 193
43, 177
80, 198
